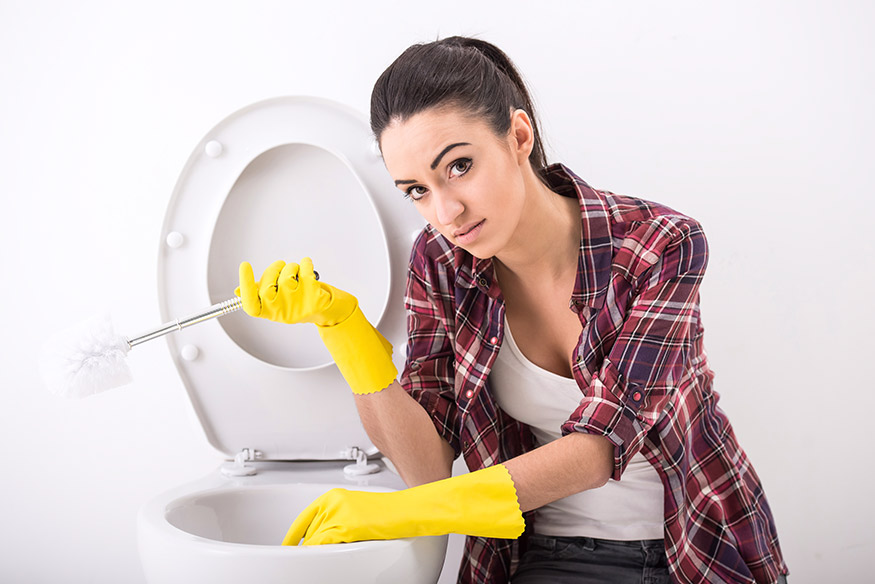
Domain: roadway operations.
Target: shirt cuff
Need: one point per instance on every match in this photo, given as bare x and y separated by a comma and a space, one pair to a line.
613, 408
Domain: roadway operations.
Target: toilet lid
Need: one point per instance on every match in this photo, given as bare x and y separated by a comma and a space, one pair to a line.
281, 179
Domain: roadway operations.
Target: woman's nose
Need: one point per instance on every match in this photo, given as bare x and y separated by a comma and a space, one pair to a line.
447, 208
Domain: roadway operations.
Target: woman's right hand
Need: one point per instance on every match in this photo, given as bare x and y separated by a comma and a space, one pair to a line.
290, 293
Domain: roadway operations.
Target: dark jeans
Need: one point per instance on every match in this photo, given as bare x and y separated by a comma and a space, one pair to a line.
585, 560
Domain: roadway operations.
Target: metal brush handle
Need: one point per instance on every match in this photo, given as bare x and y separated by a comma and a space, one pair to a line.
220, 309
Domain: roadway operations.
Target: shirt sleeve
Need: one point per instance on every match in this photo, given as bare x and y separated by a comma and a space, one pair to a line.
654, 301
428, 374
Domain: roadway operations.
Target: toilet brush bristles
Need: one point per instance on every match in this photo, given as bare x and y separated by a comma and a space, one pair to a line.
90, 358
85, 359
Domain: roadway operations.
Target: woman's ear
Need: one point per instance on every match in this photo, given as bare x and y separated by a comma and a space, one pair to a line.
522, 135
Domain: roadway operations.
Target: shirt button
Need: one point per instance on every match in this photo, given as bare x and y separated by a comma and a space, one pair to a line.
579, 358
482, 282
636, 396
494, 340
469, 394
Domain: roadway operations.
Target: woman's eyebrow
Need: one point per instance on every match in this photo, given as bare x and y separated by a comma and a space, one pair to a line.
444, 151
435, 163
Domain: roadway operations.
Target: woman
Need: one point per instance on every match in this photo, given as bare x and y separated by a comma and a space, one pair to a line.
554, 341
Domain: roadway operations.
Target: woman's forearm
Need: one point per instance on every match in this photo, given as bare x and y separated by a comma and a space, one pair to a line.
573, 463
402, 430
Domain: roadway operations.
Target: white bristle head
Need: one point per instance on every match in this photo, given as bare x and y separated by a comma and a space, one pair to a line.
85, 359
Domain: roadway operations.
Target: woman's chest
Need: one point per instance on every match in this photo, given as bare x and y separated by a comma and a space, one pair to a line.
546, 331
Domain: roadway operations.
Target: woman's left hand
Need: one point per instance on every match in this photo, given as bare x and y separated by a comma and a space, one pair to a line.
480, 503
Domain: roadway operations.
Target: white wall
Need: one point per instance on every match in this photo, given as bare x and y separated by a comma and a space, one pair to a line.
754, 117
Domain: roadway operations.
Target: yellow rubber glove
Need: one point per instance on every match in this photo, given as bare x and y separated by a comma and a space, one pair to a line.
481, 503
290, 293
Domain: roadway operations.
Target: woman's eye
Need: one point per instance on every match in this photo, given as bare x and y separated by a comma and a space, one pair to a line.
416, 193
460, 167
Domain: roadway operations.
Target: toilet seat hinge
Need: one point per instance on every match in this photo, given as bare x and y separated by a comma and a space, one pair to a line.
239, 468
361, 466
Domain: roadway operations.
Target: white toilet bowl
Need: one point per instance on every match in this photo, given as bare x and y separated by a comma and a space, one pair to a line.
227, 530
280, 179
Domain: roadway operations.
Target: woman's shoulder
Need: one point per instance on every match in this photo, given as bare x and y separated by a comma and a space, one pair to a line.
644, 231
630, 211
625, 214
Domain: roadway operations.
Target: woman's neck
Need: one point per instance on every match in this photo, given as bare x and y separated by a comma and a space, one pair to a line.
546, 243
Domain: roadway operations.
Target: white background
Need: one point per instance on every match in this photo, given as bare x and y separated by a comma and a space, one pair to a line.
755, 117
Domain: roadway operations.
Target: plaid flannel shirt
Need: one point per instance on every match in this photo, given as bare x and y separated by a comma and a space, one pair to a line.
641, 367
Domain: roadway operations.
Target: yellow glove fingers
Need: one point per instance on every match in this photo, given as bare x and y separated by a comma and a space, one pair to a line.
324, 529
301, 523
248, 290
341, 516
290, 272
267, 286
307, 270
291, 293
323, 521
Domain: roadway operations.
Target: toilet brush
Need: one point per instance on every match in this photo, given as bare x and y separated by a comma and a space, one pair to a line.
90, 358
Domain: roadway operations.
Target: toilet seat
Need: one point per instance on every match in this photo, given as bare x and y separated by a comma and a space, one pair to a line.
281, 179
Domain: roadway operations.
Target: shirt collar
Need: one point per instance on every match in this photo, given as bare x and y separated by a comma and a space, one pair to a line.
472, 272
596, 247
596, 251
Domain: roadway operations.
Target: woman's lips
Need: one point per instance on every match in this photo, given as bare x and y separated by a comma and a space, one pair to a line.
468, 236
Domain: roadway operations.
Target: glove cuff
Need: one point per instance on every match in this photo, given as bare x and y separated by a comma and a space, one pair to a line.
362, 354
481, 503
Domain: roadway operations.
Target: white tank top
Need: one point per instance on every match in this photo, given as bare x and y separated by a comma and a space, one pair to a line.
629, 509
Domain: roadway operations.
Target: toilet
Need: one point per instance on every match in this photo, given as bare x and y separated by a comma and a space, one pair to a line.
280, 179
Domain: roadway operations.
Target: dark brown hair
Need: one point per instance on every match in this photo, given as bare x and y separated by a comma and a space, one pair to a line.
469, 74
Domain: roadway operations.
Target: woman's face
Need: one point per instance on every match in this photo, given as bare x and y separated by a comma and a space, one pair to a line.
463, 179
